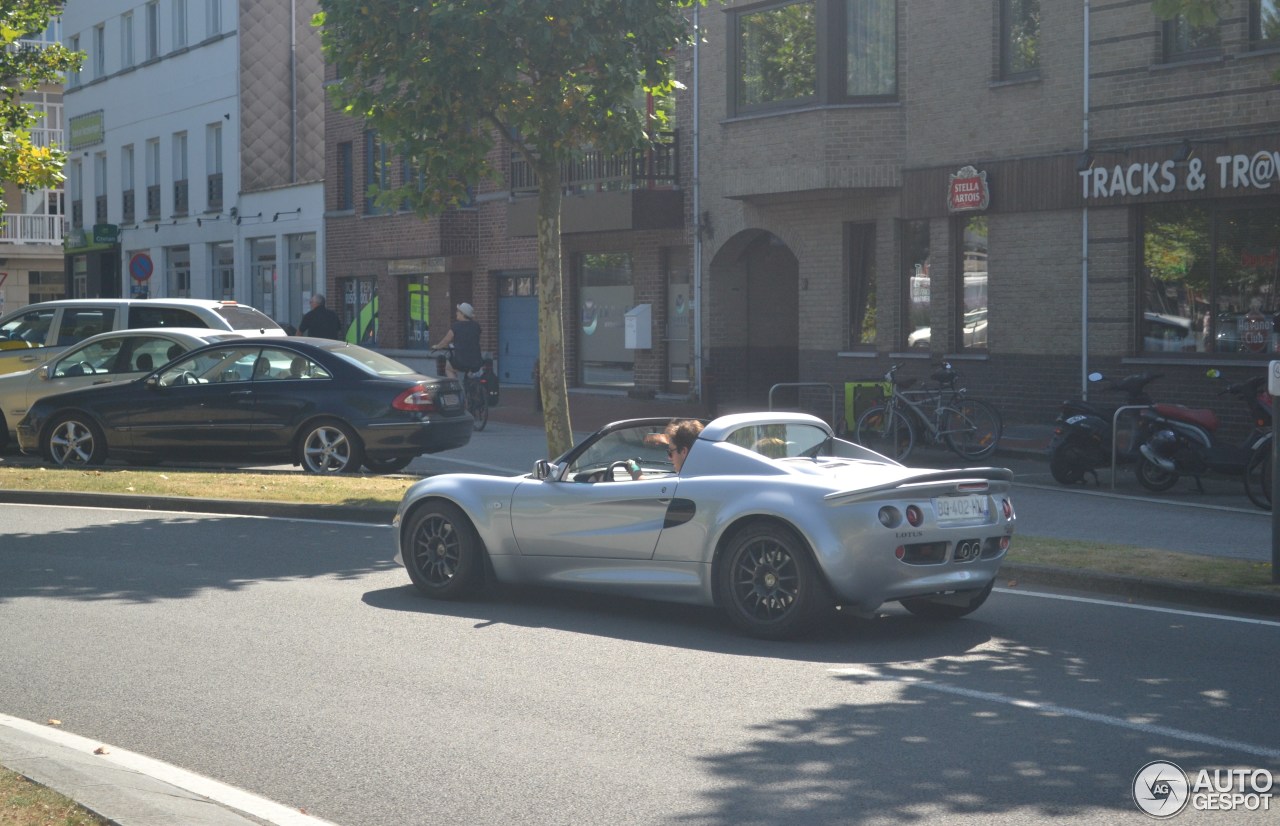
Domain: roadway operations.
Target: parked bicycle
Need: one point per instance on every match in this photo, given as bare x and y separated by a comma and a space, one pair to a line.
1257, 474
942, 414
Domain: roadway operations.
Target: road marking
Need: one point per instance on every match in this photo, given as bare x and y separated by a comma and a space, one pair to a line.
1152, 608
236, 798
870, 672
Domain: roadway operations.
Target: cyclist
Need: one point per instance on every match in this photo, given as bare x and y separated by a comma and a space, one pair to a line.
464, 335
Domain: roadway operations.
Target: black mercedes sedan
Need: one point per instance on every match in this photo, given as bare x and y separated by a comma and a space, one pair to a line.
326, 405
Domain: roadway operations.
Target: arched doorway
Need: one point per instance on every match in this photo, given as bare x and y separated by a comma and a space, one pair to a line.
754, 319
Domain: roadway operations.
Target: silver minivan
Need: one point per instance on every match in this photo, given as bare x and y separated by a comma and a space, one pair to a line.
31, 335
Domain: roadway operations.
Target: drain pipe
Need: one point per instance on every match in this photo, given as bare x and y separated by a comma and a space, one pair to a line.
697, 212
1084, 231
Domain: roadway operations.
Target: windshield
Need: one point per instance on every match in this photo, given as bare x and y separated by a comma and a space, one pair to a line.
240, 317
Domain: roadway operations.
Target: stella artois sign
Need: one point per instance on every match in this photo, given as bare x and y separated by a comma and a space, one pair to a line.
968, 190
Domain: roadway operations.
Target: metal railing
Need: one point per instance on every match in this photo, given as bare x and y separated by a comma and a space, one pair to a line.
597, 171
25, 228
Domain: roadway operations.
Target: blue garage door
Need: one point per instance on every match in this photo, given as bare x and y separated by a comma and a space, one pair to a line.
517, 328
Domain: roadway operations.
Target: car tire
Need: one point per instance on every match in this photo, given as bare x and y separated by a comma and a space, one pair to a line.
442, 552
768, 584
934, 608
74, 440
392, 465
329, 446
1069, 460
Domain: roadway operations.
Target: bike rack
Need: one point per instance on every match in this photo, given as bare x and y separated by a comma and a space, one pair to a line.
812, 385
1115, 433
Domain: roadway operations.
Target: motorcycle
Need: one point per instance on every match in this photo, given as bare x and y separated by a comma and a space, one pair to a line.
1082, 434
1179, 440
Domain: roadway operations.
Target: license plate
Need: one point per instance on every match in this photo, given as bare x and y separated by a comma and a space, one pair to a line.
959, 508
450, 400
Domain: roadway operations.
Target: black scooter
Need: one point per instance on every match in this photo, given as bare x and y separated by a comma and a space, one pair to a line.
1178, 440
1082, 432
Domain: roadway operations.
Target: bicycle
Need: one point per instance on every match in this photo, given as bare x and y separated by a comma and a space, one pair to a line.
1257, 474
971, 428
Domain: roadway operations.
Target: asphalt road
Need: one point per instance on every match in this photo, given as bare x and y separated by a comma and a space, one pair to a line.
292, 659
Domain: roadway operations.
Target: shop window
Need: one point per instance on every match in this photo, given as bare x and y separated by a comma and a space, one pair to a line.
1184, 40
1208, 280
860, 275
1019, 38
916, 261
607, 292
813, 51
418, 314
1264, 23
971, 325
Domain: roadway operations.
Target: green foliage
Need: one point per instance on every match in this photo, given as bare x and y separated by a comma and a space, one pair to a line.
25, 68
440, 79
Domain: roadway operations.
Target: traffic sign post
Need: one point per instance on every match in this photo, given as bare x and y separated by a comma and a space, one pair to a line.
141, 267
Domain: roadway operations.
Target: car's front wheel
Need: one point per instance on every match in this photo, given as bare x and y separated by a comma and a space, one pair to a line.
952, 606
442, 551
768, 584
74, 441
330, 447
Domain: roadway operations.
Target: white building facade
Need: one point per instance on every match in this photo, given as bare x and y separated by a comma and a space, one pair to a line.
196, 138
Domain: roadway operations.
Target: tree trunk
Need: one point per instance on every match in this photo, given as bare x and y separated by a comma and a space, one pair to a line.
552, 384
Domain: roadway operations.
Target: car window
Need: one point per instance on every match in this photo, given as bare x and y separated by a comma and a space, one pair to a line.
780, 441
369, 360
30, 327
78, 323
149, 352
240, 317
140, 316
99, 357
276, 364
221, 364
638, 443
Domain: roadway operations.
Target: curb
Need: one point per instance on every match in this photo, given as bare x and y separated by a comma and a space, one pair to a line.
1225, 599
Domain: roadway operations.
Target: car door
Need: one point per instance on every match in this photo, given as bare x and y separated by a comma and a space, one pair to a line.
23, 339
588, 516
199, 407
286, 386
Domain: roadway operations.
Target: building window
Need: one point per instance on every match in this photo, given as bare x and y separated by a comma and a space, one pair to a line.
860, 277
972, 298
607, 292
300, 273
916, 263
1207, 279
343, 198
46, 286
418, 312
177, 272
127, 202
1264, 23
213, 166
75, 188
262, 274
99, 51
1185, 41
213, 16
73, 77
181, 185
100, 188
126, 40
222, 266
153, 29
179, 23
153, 178
377, 170
814, 51
1019, 38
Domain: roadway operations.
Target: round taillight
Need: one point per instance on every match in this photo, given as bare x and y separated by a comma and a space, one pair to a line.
889, 517
914, 515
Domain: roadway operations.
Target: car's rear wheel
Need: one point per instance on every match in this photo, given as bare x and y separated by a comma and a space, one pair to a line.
768, 583
391, 465
330, 447
952, 606
73, 440
442, 551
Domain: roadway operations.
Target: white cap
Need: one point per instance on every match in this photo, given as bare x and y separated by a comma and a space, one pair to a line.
467, 310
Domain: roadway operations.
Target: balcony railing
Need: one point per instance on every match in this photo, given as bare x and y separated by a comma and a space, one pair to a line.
180, 197
153, 201
215, 190
100, 209
77, 213
24, 228
595, 171
127, 207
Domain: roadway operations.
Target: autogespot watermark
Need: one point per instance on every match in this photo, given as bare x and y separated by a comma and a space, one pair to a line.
1162, 789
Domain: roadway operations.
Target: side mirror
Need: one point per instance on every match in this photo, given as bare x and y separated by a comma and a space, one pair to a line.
153, 382
43, 373
544, 470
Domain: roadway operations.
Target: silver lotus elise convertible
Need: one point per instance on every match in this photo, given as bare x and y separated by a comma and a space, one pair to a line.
771, 517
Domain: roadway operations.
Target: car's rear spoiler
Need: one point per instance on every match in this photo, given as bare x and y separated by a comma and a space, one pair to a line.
974, 479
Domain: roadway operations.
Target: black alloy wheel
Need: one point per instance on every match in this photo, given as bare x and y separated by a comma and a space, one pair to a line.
442, 552
768, 584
